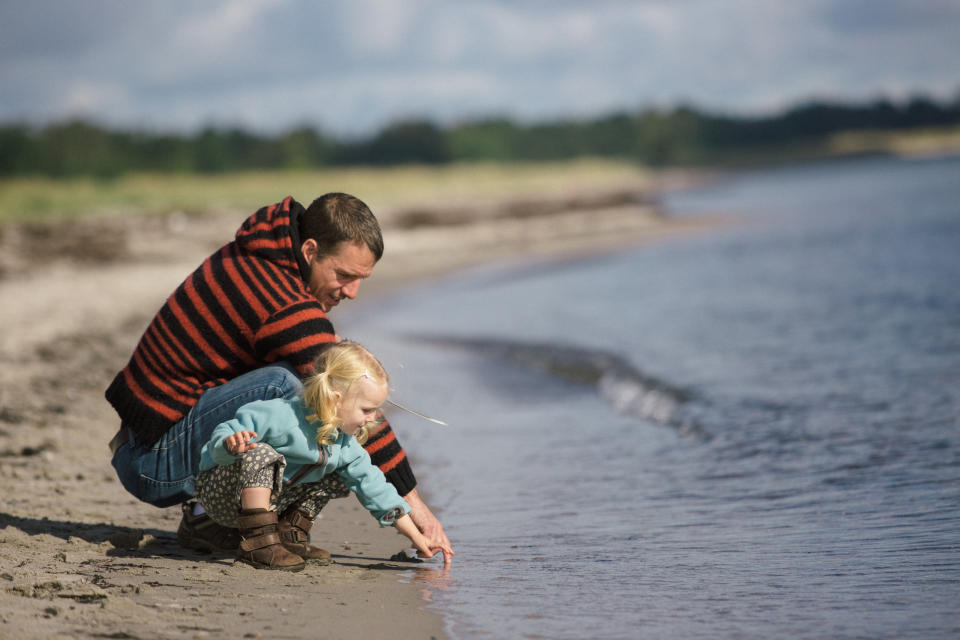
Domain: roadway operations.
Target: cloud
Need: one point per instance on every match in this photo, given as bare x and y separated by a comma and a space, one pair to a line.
351, 66
219, 28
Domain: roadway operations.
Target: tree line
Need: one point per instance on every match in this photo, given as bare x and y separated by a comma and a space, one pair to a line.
656, 137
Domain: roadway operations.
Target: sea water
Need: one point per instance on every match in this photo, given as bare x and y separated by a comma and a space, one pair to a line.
750, 432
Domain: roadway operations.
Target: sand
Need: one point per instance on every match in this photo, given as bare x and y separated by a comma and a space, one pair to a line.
81, 558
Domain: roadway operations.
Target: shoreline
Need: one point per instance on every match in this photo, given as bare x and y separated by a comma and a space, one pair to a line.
81, 557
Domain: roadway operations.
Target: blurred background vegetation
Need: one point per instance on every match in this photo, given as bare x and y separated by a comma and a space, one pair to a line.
78, 167
682, 136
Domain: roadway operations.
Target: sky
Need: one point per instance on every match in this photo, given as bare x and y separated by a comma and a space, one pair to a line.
351, 67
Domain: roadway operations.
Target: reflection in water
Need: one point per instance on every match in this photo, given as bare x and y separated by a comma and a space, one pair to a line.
430, 579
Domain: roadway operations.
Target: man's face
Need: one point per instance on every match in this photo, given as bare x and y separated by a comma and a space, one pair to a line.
337, 275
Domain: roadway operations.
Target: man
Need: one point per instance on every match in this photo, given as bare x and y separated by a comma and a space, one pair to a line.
246, 325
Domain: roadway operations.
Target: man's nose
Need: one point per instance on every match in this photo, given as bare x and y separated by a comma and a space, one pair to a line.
351, 290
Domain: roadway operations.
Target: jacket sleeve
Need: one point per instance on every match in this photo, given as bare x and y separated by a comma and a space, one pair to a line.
378, 496
387, 454
249, 417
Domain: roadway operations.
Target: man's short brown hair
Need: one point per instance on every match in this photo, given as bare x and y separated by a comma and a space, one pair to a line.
339, 217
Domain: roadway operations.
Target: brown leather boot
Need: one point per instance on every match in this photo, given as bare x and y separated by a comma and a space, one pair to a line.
260, 543
294, 527
201, 533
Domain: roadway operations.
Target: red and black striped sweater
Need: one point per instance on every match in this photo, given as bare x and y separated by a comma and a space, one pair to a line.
246, 306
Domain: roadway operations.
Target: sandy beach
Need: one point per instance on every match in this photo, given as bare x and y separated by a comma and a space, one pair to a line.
81, 558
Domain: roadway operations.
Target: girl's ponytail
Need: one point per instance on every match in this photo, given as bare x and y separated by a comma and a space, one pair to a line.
319, 399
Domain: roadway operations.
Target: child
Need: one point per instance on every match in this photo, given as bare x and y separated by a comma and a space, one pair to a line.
287, 471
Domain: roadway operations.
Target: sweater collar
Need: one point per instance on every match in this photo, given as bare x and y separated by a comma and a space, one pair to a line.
302, 264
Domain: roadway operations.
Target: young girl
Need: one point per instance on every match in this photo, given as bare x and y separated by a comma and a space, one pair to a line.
299, 443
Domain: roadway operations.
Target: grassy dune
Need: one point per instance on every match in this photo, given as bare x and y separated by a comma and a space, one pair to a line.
24, 199
913, 143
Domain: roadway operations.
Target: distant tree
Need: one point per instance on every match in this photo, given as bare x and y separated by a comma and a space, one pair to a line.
77, 148
613, 136
304, 147
491, 139
162, 153
416, 141
18, 150
923, 110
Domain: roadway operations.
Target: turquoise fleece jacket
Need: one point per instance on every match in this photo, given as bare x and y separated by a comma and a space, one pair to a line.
284, 426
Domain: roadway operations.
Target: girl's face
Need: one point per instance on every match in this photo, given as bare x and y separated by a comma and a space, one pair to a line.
360, 404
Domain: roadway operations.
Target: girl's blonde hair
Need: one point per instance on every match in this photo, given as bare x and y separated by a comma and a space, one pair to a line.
337, 369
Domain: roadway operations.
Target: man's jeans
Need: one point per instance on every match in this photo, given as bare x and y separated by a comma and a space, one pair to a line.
164, 474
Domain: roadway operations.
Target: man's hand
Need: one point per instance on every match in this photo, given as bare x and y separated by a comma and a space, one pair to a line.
428, 525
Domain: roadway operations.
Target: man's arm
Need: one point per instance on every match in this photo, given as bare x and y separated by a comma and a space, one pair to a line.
385, 452
428, 525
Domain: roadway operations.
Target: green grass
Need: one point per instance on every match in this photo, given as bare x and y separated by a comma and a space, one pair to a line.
24, 199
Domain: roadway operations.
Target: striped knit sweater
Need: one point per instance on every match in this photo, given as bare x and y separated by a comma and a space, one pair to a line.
246, 306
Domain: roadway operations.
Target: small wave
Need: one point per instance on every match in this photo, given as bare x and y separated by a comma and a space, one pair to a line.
628, 389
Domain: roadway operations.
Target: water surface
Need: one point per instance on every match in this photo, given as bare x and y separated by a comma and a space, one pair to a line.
750, 432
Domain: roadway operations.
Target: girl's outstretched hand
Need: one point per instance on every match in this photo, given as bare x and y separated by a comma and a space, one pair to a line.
239, 442
429, 550
425, 548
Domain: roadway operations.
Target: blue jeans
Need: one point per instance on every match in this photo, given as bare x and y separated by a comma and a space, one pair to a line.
164, 474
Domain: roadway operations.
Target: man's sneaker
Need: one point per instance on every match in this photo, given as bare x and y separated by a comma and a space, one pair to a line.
201, 533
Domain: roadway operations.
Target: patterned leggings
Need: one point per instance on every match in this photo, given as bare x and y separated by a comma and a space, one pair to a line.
218, 489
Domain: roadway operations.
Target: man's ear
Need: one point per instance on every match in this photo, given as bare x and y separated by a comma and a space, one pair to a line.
309, 249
